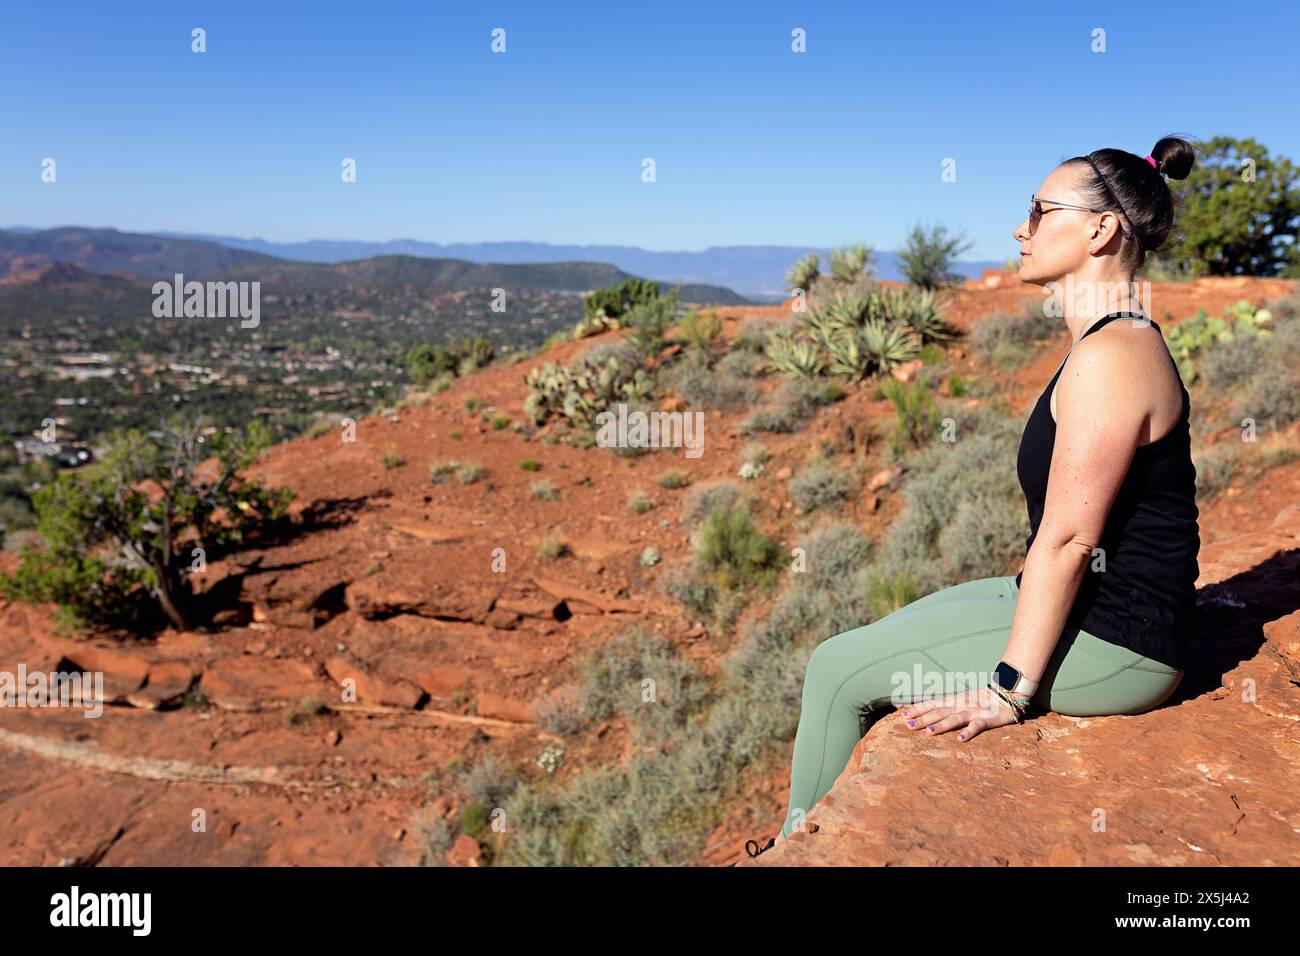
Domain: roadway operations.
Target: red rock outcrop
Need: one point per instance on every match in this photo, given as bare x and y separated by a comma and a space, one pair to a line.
1209, 778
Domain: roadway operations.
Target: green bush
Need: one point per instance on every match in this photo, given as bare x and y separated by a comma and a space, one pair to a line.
928, 255
742, 363
659, 807
116, 552
647, 324
850, 263
1192, 337
469, 472
545, 490
552, 547
709, 388
751, 339
965, 512
820, 485
731, 545
889, 592
1003, 340
434, 837
559, 715
792, 406
835, 552
488, 782
580, 392
695, 591
702, 500
700, 331
425, 363
916, 421
619, 299
640, 676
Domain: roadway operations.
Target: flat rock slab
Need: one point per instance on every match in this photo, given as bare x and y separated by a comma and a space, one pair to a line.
166, 683
250, 683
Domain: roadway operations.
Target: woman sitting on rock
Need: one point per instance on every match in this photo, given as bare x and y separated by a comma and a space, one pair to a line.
1099, 619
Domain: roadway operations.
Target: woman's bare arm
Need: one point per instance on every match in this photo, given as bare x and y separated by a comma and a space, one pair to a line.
1102, 412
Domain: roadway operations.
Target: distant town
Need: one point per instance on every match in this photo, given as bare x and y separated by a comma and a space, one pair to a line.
72, 370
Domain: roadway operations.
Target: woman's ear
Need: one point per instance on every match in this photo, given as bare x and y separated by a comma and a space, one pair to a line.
1107, 227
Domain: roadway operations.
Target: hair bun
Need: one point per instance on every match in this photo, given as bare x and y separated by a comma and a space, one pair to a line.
1174, 157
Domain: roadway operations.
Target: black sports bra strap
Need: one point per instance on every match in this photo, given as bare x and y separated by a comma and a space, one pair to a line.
1111, 318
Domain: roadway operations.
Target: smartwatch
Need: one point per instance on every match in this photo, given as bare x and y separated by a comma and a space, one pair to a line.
1010, 679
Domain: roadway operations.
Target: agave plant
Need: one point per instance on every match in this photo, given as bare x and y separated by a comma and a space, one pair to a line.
821, 324
851, 262
850, 310
849, 355
889, 345
791, 355
921, 315
804, 272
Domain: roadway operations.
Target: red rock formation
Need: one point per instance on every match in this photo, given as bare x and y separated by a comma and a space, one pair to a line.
1211, 777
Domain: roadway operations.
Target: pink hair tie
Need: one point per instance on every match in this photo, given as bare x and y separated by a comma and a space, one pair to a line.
1152, 161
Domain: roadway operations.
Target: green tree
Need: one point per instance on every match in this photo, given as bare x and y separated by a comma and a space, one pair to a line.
123, 532
1238, 213
621, 298
648, 323
426, 362
928, 255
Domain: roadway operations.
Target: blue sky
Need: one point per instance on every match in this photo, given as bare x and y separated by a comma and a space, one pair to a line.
753, 143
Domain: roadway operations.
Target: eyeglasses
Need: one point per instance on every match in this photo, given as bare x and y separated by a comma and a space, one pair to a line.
1036, 210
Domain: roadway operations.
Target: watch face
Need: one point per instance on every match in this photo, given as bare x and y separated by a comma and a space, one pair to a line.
1006, 675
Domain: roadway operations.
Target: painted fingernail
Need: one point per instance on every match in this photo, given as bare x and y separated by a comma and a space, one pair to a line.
911, 723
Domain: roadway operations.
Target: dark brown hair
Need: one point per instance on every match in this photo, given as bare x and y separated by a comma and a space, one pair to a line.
1117, 180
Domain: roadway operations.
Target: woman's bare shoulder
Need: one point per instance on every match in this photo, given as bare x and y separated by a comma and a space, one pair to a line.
1125, 369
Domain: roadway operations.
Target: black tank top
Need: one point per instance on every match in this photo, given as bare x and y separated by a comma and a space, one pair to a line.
1145, 599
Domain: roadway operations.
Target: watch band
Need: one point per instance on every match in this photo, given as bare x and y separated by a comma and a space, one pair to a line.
1020, 684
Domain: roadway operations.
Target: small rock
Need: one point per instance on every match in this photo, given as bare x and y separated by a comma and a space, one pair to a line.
464, 852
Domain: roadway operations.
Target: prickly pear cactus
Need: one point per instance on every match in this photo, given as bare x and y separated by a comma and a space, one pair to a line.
1192, 336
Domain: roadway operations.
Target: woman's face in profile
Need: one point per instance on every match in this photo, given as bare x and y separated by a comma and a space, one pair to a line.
1059, 244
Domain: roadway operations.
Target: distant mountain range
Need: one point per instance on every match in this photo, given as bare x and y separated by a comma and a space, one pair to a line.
44, 257
756, 272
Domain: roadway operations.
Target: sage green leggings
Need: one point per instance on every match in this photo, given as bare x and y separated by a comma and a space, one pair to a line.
944, 643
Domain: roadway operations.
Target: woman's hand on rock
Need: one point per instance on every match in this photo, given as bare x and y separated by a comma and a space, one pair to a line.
967, 713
